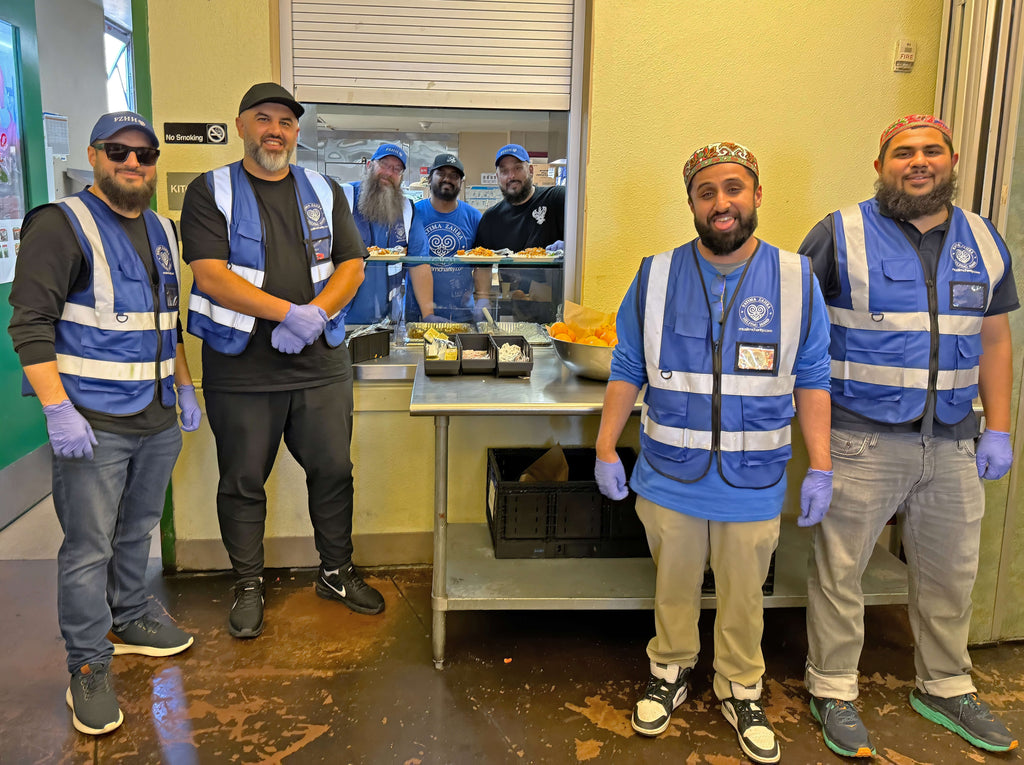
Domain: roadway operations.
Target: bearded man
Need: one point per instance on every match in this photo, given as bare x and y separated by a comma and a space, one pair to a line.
95, 326
276, 256
918, 292
721, 334
384, 217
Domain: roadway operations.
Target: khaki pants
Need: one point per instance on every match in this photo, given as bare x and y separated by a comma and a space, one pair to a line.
740, 555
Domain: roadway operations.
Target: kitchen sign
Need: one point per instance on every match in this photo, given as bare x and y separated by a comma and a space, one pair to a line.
195, 132
176, 185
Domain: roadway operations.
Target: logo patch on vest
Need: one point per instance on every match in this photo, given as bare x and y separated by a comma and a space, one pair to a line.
314, 214
163, 255
964, 257
540, 214
756, 312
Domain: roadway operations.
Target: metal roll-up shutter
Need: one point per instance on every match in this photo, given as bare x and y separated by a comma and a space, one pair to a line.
456, 53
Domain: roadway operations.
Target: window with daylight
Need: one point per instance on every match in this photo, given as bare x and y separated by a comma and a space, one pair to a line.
117, 44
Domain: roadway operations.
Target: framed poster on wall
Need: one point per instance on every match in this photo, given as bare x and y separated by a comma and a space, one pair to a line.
12, 180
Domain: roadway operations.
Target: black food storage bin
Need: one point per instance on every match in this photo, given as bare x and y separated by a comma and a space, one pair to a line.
476, 342
559, 519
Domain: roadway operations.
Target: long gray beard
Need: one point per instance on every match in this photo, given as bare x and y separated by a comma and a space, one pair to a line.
903, 206
379, 201
272, 163
131, 200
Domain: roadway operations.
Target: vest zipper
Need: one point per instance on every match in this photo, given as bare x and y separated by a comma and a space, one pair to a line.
716, 396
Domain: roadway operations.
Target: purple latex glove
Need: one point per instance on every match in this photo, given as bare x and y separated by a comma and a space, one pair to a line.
190, 414
815, 497
70, 433
301, 326
994, 455
611, 479
434, 319
554, 246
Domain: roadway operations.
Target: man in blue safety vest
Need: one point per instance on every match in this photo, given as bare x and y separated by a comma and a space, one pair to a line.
918, 293
724, 331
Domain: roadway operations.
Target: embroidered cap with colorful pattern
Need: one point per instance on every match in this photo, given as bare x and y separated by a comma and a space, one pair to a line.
716, 154
914, 121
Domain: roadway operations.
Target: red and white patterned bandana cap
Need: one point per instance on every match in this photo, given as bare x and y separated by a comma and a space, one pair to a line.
914, 121
716, 154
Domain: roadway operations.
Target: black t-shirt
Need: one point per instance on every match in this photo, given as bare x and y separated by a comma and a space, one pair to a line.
538, 222
819, 245
51, 266
260, 367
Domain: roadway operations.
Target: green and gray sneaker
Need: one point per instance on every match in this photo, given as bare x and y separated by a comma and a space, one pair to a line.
841, 727
967, 716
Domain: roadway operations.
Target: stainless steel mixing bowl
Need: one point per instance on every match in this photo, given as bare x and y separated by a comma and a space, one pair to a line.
592, 361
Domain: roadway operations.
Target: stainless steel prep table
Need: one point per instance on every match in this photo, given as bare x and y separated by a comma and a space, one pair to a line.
467, 576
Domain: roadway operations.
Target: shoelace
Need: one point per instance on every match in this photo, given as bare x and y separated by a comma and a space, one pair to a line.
248, 594
844, 713
661, 690
975, 707
146, 624
749, 714
97, 681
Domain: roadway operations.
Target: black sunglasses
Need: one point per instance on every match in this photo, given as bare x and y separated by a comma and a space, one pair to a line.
118, 152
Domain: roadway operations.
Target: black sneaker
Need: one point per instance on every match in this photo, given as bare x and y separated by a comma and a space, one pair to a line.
757, 739
246, 617
666, 689
841, 727
967, 716
346, 585
94, 708
148, 637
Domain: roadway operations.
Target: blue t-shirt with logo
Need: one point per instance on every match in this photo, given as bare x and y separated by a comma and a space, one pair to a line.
446, 233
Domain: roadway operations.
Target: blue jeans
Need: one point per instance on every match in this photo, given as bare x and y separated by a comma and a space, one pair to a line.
933, 484
107, 507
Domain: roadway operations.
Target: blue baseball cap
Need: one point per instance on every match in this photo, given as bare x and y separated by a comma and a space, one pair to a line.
391, 150
511, 150
112, 123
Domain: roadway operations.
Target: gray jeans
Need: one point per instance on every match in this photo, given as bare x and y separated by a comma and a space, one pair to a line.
934, 484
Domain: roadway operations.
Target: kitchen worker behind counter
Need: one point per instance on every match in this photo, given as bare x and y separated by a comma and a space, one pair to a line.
919, 292
449, 225
276, 255
95, 325
724, 331
385, 218
528, 216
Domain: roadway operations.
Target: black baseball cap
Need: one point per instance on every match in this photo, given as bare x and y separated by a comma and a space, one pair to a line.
264, 92
448, 160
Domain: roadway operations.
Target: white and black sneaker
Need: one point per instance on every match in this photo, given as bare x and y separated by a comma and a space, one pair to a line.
757, 739
666, 689
346, 585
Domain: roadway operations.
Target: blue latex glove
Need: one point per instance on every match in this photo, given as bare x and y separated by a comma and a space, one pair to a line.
301, 326
434, 319
815, 497
559, 245
994, 455
190, 414
611, 479
478, 308
70, 433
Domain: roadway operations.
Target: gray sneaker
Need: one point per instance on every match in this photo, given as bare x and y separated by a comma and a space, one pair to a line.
967, 716
94, 708
841, 727
148, 637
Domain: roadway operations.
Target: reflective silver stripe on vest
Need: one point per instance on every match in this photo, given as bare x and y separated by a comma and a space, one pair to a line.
657, 293
323, 191
790, 310
876, 374
730, 441
76, 313
251, 275
988, 249
890, 321
732, 385
223, 193
102, 283
856, 256
172, 242
129, 371
322, 272
220, 314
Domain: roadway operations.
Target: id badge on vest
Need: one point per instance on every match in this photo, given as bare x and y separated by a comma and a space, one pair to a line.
757, 357
968, 296
171, 295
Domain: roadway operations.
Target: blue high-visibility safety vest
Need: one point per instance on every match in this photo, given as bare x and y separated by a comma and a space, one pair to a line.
898, 331
727, 403
116, 338
228, 331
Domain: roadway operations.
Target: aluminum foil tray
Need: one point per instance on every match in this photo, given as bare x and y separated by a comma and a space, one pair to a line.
533, 333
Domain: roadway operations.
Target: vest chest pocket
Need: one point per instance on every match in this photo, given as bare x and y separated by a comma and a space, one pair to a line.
874, 365
965, 378
664, 427
686, 344
765, 436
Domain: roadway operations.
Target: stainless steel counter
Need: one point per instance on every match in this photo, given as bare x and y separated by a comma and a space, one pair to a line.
399, 365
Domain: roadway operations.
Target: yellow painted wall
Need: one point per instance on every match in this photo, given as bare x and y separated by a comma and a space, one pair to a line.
807, 86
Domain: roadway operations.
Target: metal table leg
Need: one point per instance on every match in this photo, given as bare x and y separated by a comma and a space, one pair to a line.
439, 590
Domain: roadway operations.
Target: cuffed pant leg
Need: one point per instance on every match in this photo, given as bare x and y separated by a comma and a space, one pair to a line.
741, 554
873, 474
679, 546
247, 428
319, 436
941, 538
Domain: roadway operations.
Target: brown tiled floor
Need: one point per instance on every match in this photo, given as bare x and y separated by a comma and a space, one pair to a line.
326, 685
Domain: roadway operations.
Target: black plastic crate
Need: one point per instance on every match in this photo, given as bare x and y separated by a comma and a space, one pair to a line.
768, 588
372, 345
557, 519
512, 368
476, 342
435, 366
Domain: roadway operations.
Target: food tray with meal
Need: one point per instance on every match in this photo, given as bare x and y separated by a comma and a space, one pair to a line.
385, 253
